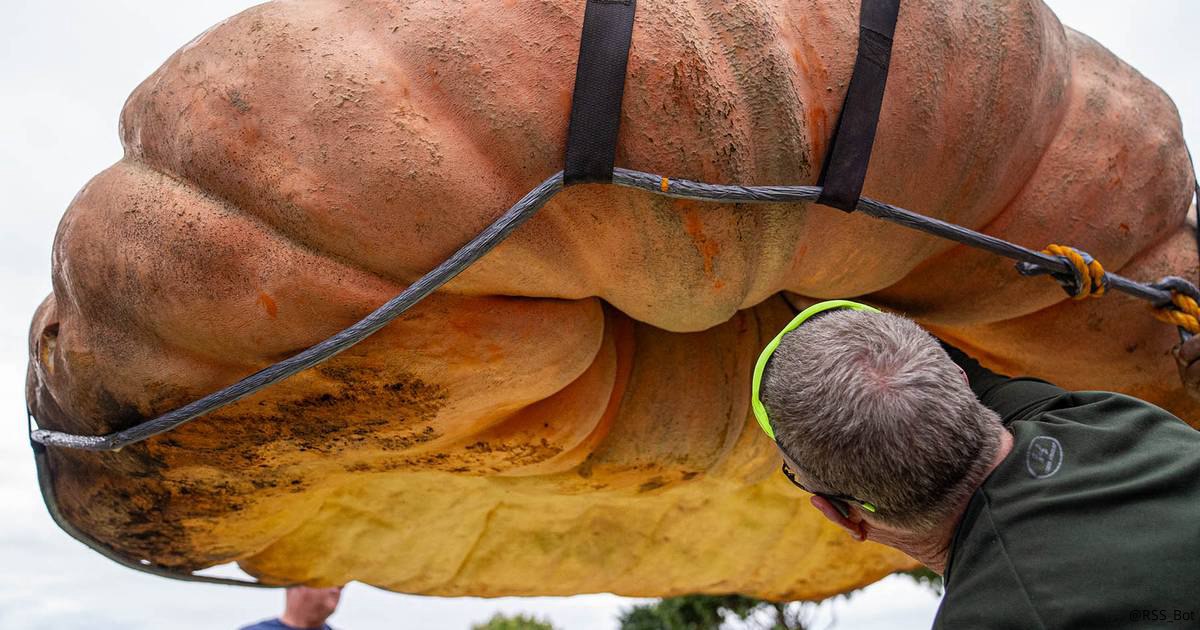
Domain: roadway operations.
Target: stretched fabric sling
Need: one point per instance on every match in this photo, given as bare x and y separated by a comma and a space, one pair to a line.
599, 86
845, 166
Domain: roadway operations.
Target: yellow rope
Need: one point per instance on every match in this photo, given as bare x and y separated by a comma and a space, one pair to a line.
1091, 274
665, 185
1183, 311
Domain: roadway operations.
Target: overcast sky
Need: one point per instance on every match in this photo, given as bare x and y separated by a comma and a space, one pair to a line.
66, 69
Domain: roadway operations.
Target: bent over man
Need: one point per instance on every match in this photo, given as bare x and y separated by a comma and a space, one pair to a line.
1041, 507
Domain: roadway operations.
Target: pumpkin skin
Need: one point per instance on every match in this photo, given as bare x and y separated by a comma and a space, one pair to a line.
571, 414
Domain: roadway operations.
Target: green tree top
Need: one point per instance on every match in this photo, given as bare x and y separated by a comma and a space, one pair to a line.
515, 622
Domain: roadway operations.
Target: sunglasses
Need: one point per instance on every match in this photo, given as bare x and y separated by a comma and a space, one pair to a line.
840, 502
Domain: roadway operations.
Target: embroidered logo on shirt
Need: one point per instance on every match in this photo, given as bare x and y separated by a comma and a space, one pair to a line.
1044, 457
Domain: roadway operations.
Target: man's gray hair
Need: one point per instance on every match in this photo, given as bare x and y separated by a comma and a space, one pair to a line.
870, 405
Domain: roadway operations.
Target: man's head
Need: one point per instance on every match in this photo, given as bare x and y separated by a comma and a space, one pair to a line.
869, 405
310, 607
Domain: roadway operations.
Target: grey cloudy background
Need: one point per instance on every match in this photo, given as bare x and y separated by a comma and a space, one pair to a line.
66, 68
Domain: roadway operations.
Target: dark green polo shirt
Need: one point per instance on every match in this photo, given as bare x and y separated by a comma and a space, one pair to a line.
1092, 521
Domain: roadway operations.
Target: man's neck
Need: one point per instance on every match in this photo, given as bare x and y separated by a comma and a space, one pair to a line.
932, 548
296, 621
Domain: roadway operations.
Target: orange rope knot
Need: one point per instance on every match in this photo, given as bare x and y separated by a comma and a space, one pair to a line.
1090, 279
1183, 311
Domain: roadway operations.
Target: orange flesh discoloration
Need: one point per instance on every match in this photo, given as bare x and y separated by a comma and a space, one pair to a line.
268, 304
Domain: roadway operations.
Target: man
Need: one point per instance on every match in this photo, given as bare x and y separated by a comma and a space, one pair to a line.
304, 609
1042, 508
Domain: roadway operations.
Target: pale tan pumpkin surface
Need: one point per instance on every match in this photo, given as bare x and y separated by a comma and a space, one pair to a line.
571, 414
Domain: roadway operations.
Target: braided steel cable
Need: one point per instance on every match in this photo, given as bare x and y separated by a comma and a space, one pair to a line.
1029, 262
324, 350
1175, 298
1050, 264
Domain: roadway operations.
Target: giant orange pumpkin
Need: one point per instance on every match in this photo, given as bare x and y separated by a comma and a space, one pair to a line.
570, 414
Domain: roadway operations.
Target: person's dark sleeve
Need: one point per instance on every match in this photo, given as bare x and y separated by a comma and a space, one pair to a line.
1010, 397
982, 380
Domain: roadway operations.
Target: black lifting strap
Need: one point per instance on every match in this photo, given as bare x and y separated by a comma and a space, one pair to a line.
845, 166
599, 86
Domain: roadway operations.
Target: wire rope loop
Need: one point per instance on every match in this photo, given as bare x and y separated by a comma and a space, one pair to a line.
1087, 277
1080, 275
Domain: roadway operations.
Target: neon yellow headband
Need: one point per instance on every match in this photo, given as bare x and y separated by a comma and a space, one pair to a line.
760, 412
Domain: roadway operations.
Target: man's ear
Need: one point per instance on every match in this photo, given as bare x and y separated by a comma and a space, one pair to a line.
852, 525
